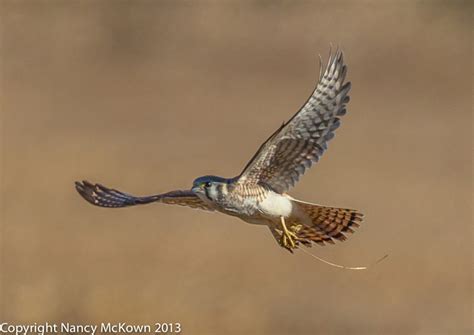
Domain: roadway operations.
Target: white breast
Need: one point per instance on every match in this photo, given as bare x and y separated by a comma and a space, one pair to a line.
276, 205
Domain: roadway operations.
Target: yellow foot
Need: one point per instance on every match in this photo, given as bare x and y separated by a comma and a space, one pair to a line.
289, 239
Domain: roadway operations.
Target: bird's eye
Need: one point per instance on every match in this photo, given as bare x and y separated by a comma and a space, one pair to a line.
207, 184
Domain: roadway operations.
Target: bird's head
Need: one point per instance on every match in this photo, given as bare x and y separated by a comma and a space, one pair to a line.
208, 187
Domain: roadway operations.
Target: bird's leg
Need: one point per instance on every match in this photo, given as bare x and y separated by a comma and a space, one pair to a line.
288, 238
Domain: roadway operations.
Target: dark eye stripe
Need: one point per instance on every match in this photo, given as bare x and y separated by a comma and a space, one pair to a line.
206, 192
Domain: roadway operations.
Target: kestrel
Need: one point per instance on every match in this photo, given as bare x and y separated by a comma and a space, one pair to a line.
258, 195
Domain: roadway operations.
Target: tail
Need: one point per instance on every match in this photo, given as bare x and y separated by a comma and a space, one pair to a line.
326, 224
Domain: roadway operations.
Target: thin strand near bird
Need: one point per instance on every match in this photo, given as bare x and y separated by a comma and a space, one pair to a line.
258, 195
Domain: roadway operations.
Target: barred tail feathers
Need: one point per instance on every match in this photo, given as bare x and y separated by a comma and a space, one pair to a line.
326, 224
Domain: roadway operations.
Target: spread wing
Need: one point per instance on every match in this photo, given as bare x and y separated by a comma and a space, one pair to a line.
293, 148
102, 196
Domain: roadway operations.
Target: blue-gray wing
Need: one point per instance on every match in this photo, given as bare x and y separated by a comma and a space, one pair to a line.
102, 196
285, 156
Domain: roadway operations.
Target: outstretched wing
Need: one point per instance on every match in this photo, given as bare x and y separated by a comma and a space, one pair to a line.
102, 196
300, 142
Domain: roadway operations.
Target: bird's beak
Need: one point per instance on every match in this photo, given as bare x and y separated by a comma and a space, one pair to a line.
197, 189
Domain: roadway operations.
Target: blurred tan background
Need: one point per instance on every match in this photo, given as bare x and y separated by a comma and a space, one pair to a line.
144, 96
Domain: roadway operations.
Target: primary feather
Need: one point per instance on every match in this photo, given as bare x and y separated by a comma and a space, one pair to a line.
300, 142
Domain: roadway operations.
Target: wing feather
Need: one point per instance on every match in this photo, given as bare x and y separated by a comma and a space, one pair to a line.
299, 143
102, 196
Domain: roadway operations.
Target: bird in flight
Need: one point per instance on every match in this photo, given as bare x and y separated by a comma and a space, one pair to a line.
258, 195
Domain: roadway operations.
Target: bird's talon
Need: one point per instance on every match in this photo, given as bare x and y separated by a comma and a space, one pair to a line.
289, 239
296, 228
